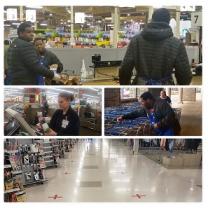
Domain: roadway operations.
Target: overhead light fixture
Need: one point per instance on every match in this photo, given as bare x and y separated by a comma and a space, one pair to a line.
16, 23
34, 7
43, 24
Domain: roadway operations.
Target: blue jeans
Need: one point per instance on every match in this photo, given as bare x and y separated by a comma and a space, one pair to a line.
170, 147
165, 132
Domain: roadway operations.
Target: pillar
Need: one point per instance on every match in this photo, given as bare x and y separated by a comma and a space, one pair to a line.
150, 13
72, 40
21, 14
180, 95
116, 22
168, 91
177, 28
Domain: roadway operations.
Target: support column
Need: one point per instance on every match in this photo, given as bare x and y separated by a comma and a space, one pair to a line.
168, 91
116, 22
136, 147
150, 13
180, 95
177, 28
21, 14
72, 40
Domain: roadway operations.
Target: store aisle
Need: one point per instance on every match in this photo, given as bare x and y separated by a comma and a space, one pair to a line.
97, 171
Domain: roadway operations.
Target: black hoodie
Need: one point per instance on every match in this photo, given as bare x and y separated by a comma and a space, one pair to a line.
155, 53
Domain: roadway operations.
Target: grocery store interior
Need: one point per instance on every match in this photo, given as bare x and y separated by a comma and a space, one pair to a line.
97, 37
108, 170
27, 109
186, 103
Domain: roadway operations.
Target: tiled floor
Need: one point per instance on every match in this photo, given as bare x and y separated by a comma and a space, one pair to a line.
108, 172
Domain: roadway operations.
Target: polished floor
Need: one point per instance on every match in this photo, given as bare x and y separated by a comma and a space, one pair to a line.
107, 171
191, 118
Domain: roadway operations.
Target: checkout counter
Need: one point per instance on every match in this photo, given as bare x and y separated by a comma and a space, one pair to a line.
103, 71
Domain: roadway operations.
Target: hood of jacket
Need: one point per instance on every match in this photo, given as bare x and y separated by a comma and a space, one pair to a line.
157, 31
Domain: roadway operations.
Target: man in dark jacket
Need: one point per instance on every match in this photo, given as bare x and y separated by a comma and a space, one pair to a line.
23, 62
47, 59
159, 113
155, 53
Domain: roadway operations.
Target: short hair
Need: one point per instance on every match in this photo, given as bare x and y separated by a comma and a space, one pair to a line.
146, 96
161, 15
66, 95
37, 39
23, 26
6, 42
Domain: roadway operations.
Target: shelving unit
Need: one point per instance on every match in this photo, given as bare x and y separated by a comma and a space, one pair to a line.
13, 184
26, 161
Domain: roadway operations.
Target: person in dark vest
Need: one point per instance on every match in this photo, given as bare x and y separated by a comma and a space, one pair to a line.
160, 114
23, 61
47, 59
156, 54
65, 121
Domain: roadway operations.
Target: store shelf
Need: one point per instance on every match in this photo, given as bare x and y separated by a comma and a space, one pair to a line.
10, 151
47, 152
20, 192
39, 181
47, 161
49, 156
47, 147
16, 172
12, 190
7, 166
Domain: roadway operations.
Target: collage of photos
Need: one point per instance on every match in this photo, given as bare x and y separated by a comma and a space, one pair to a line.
103, 103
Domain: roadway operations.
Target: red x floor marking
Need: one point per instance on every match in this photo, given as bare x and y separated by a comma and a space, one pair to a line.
66, 173
139, 196
56, 196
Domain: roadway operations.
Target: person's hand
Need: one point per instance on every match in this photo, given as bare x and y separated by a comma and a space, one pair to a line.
56, 77
155, 126
53, 67
119, 119
51, 133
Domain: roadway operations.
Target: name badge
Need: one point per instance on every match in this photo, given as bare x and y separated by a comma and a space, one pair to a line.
64, 123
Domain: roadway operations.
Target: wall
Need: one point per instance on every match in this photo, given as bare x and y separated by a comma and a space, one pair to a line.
112, 97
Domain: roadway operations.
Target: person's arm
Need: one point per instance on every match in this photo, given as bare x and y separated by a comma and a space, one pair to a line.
169, 100
55, 60
168, 116
127, 65
73, 127
182, 68
30, 59
135, 114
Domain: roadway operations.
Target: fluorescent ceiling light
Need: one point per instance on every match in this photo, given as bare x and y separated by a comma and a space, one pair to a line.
43, 24
34, 7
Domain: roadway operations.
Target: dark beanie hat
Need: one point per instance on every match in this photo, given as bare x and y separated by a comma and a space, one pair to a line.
161, 15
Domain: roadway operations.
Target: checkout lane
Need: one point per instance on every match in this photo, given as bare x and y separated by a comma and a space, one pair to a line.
36, 112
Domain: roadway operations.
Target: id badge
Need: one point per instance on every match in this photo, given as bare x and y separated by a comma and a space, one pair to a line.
64, 123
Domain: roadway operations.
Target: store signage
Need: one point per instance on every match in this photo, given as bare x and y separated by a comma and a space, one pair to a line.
187, 8
31, 15
80, 17
196, 19
12, 14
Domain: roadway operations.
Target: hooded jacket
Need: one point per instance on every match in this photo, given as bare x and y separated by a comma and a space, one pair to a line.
155, 53
23, 64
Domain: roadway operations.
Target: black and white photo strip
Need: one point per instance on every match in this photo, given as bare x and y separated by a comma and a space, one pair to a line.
102, 103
